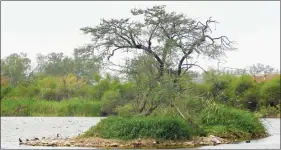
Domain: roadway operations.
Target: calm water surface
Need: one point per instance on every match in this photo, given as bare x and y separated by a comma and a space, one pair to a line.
13, 128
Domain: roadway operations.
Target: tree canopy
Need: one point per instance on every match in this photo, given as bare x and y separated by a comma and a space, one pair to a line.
169, 37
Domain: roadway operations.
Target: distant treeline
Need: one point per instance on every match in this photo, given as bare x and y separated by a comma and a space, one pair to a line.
58, 80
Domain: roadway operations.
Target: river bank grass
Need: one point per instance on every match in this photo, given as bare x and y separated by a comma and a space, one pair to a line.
36, 107
231, 123
130, 128
18, 106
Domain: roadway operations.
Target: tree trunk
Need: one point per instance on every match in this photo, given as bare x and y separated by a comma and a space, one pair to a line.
143, 106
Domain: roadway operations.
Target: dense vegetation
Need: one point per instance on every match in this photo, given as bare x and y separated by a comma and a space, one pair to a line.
69, 96
228, 122
35, 107
158, 80
221, 121
160, 128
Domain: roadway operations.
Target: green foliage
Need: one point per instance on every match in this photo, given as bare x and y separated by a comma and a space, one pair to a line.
111, 93
78, 107
56, 64
270, 92
110, 100
100, 88
239, 91
242, 91
159, 128
15, 67
201, 89
251, 98
50, 94
269, 111
221, 119
33, 91
243, 83
219, 85
5, 91
157, 84
39, 107
118, 95
19, 91
125, 111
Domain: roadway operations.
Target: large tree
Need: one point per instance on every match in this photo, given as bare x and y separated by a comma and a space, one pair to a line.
171, 39
86, 65
15, 67
82, 64
54, 64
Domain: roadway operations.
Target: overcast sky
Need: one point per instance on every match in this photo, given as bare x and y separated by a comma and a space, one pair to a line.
44, 27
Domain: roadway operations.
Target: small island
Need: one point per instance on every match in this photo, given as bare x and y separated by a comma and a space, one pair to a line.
155, 100
223, 125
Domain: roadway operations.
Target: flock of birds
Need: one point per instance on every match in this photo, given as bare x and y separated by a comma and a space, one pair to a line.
35, 139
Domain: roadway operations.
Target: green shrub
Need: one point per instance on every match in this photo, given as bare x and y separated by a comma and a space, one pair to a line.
243, 83
270, 92
50, 94
79, 107
15, 107
251, 99
33, 91
127, 91
160, 128
84, 92
5, 91
44, 108
201, 89
270, 111
232, 122
237, 91
19, 91
110, 101
35, 107
100, 88
218, 83
125, 111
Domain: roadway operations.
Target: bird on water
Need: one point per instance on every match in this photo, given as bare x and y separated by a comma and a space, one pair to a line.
20, 141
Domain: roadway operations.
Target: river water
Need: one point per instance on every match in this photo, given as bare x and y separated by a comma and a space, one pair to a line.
13, 128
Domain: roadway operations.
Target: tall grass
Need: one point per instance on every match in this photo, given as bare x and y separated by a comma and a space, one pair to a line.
35, 107
128, 128
225, 121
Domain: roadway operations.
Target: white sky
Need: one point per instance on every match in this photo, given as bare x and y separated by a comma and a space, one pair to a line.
49, 26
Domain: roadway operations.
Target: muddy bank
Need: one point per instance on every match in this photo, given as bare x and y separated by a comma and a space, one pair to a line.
105, 143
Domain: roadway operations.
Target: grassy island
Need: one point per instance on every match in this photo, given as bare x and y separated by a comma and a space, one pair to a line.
223, 125
155, 98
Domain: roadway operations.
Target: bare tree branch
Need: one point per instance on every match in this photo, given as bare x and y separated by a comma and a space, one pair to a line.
197, 66
150, 37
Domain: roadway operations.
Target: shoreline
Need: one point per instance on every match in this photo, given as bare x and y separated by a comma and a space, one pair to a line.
74, 141
96, 142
